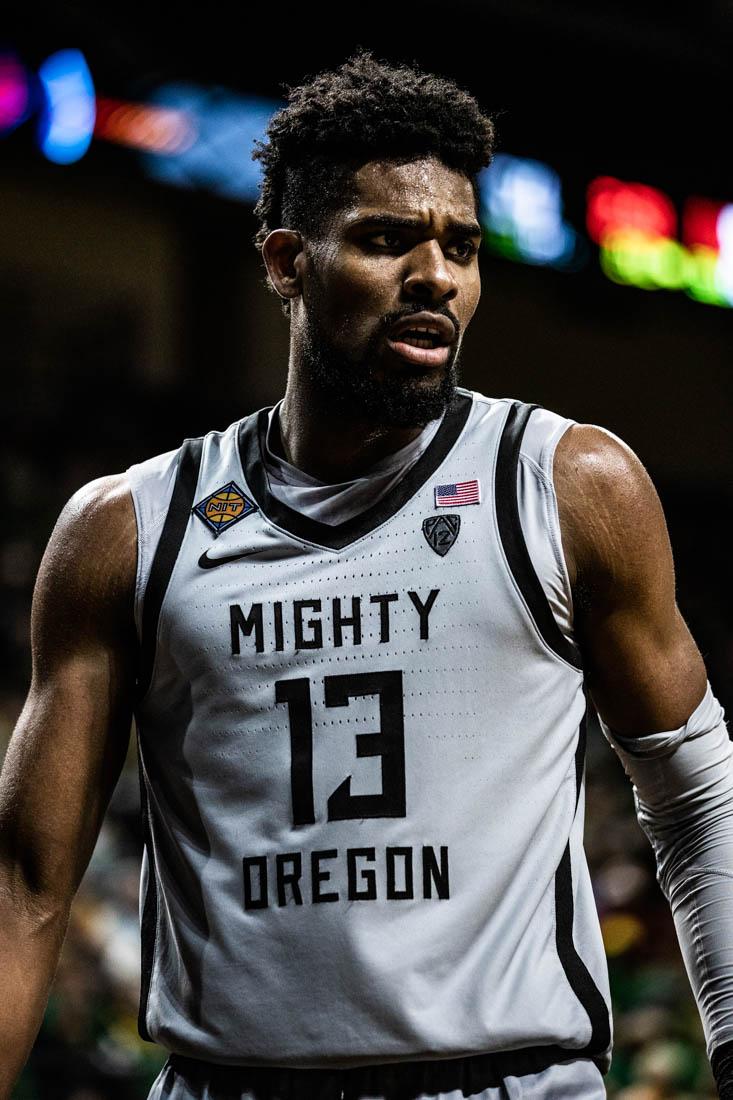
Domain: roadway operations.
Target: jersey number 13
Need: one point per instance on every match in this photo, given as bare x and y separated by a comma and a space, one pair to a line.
388, 742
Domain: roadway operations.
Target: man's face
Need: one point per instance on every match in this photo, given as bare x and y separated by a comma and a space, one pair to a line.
405, 248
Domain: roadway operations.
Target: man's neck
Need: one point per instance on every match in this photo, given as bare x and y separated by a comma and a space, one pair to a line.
333, 447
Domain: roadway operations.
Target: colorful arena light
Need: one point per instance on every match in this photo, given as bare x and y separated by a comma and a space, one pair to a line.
14, 93
522, 213
225, 127
660, 263
707, 230
202, 138
724, 267
700, 223
67, 120
616, 205
151, 129
636, 225
639, 259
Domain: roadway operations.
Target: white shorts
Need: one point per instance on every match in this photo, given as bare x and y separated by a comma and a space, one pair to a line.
579, 1079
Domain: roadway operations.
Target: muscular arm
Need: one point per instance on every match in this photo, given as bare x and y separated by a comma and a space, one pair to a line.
643, 668
68, 748
648, 682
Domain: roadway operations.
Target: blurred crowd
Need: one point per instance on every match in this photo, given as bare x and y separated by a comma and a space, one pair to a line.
89, 1048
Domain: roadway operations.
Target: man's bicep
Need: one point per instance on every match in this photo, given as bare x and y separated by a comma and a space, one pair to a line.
642, 678
70, 742
643, 668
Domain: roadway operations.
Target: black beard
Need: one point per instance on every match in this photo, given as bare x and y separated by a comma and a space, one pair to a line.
349, 388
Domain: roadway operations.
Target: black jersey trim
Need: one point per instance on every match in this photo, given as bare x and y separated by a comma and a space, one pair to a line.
580, 754
166, 554
252, 437
164, 560
469, 1075
577, 973
512, 536
149, 919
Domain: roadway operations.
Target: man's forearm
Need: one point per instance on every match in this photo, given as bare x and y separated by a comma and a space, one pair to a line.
683, 790
31, 934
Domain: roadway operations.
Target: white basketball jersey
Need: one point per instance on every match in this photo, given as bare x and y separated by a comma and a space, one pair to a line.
361, 751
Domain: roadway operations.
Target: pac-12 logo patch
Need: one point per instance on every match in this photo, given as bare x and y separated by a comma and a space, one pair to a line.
441, 532
224, 507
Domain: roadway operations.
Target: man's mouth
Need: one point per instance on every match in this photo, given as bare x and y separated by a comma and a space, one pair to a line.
423, 338
423, 354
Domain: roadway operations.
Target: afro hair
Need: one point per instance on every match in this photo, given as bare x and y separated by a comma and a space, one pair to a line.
365, 110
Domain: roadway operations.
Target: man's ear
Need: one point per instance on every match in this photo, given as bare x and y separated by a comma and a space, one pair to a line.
282, 251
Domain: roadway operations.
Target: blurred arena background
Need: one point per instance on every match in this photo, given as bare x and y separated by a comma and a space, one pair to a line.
134, 314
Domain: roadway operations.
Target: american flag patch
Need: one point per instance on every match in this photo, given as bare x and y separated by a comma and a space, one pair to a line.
457, 493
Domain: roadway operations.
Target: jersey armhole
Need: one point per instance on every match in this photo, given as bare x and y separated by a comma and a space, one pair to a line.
537, 496
531, 552
151, 487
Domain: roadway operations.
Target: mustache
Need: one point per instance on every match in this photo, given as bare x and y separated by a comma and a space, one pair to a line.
390, 319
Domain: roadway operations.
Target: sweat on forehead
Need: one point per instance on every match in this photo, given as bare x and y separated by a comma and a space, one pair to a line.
412, 187
420, 188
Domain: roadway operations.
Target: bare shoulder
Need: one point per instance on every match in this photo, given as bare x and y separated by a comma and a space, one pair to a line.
610, 514
101, 512
86, 580
592, 459
95, 538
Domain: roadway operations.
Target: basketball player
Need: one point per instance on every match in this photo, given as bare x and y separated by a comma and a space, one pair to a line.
357, 630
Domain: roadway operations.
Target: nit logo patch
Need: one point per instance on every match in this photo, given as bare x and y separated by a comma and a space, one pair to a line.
224, 507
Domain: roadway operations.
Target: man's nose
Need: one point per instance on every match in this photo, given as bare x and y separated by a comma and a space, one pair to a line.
429, 276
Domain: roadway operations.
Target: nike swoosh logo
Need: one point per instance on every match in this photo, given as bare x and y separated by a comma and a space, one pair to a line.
205, 562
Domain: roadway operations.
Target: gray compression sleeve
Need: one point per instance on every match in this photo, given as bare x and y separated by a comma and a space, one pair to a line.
683, 792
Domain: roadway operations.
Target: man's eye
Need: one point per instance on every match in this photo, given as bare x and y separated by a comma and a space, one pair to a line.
465, 249
388, 238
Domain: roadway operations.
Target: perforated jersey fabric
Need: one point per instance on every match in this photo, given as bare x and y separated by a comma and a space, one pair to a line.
538, 514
